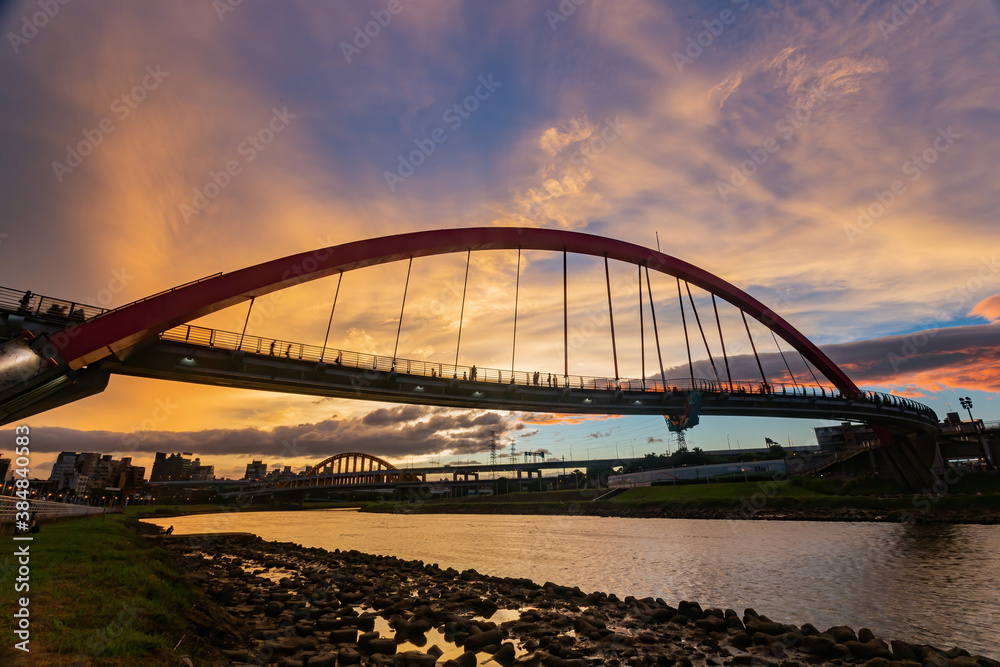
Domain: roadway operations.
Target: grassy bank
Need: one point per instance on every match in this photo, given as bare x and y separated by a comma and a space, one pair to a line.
97, 591
972, 499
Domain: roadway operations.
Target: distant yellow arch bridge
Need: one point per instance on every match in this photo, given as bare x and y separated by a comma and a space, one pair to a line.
352, 469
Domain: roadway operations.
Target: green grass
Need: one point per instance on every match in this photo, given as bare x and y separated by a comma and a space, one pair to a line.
97, 590
724, 492
970, 493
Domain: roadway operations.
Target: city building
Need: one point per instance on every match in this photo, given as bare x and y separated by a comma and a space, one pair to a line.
280, 474
954, 426
845, 437
79, 484
126, 476
63, 469
256, 470
966, 442
200, 473
172, 468
86, 473
5, 465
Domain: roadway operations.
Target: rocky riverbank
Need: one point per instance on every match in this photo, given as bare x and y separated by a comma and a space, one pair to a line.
282, 604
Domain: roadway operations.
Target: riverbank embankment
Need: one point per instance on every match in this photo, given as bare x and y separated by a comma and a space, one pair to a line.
99, 593
773, 501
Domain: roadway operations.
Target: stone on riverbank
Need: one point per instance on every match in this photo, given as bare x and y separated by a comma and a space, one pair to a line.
331, 608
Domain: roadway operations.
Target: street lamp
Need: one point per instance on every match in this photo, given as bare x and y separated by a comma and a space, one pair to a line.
967, 404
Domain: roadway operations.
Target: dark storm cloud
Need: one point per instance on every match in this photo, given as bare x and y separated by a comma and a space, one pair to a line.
394, 415
397, 431
964, 356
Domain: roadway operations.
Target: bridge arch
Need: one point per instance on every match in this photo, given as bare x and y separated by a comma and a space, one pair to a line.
121, 328
351, 469
348, 462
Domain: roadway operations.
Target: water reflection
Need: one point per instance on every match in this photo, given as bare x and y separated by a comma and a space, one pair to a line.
920, 583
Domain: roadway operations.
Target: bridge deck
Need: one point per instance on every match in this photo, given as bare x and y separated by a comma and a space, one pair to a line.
207, 356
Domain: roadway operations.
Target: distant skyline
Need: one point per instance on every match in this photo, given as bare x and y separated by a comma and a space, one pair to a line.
838, 166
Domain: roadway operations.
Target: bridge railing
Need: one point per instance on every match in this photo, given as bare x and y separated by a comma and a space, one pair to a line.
71, 312
47, 307
28, 303
43, 509
273, 347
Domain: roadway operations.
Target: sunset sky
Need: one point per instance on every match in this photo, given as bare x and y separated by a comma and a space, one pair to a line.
837, 163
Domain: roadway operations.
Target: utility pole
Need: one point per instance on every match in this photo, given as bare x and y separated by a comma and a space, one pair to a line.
494, 437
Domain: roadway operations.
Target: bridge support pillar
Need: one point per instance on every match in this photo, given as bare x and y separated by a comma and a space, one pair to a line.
915, 459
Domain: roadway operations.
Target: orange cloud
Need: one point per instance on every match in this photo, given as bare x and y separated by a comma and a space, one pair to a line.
988, 308
542, 419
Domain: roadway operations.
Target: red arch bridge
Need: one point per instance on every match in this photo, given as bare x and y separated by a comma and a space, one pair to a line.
56, 351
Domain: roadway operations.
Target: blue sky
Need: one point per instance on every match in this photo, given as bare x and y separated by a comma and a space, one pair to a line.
866, 211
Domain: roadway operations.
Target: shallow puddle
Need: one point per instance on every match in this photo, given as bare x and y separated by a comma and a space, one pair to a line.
435, 637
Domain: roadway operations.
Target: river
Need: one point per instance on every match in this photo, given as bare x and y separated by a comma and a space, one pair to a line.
935, 584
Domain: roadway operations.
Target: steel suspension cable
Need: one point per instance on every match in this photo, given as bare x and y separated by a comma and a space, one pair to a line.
517, 289
611, 317
406, 286
809, 368
763, 378
565, 324
687, 343
722, 341
245, 322
461, 317
656, 333
330, 323
704, 339
787, 367
642, 333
